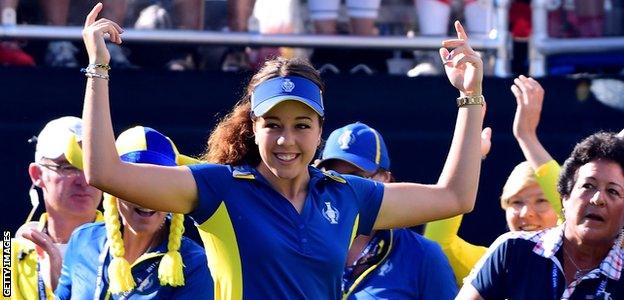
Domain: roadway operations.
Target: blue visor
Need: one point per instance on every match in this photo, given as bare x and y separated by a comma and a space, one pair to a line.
273, 91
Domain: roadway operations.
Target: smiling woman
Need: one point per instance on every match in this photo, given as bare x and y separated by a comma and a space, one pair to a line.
525, 204
138, 252
272, 225
580, 259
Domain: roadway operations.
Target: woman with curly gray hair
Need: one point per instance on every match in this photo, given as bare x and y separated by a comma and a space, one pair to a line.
580, 259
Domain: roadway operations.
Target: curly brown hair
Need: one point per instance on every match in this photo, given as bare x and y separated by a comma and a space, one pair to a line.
601, 145
232, 140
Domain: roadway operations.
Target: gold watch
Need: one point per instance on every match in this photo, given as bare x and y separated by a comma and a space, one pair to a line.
470, 100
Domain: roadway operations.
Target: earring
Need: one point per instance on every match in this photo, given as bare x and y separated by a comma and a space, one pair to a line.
34, 202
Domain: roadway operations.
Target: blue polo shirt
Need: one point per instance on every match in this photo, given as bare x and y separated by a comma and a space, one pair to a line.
260, 247
82, 260
528, 265
411, 267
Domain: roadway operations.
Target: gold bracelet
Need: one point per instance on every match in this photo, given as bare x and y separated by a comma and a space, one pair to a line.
105, 67
470, 100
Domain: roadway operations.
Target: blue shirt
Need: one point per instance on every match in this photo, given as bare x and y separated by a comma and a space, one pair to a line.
411, 267
528, 265
260, 247
81, 262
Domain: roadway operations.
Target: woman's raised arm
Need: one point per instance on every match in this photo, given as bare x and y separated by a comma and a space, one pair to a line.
408, 204
171, 189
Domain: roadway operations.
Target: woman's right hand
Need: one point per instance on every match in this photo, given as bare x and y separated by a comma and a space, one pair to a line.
529, 96
93, 36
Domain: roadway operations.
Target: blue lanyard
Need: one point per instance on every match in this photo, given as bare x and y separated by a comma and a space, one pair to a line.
601, 290
99, 281
555, 279
40, 284
100, 271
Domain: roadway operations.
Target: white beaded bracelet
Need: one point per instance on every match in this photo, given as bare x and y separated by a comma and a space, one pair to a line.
97, 75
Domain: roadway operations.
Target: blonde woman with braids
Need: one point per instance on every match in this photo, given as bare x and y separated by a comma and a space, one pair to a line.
273, 226
137, 253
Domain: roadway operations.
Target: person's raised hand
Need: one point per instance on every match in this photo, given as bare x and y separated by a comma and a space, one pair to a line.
93, 35
529, 96
46, 250
463, 66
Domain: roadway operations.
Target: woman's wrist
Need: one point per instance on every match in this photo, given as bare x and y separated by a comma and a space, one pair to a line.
472, 93
98, 62
526, 136
96, 70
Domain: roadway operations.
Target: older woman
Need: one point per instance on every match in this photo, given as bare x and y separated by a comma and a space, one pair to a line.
580, 259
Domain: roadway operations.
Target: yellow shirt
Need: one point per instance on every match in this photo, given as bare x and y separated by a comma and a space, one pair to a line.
462, 255
24, 258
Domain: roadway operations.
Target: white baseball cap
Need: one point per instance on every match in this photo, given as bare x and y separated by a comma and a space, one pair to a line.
53, 141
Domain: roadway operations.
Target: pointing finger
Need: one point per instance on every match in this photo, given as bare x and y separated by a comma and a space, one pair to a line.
461, 33
93, 14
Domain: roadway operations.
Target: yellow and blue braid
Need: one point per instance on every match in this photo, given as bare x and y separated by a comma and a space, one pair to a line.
171, 265
119, 272
170, 270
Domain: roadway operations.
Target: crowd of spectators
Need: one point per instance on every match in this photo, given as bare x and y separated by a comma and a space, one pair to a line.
566, 19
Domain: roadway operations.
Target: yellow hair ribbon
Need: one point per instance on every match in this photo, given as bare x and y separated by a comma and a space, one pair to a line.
171, 265
119, 272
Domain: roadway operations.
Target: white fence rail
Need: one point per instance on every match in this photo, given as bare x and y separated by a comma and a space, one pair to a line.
542, 45
497, 41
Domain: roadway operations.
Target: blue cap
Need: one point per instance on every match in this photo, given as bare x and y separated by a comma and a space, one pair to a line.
359, 145
276, 90
145, 145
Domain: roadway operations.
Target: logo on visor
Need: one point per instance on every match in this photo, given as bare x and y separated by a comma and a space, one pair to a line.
331, 213
346, 139
288, 85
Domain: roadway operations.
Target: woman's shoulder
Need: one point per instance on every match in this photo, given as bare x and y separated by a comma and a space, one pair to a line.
91, 231
209, 168
528, 242
211, 171
87, 240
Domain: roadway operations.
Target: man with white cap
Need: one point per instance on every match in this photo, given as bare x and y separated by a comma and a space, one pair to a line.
69, 202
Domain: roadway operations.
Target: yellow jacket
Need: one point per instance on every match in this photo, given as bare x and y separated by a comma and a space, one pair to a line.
462, 255
24, 279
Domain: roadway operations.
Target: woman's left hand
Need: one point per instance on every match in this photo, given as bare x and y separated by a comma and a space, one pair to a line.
529, 99
463, 66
